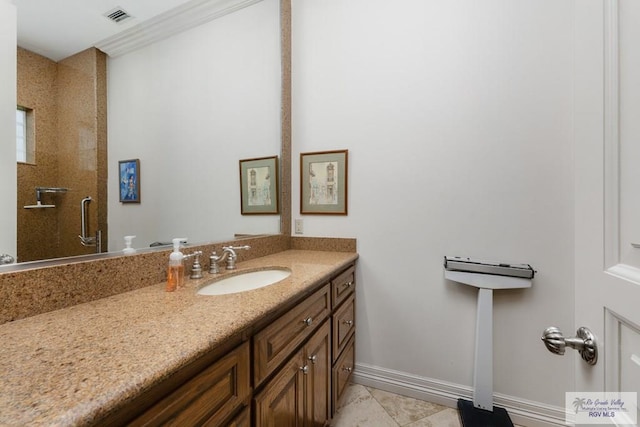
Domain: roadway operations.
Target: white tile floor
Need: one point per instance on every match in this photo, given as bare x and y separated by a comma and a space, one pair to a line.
368, 407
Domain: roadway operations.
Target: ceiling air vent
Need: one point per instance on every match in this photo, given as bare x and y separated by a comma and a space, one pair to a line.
118, 15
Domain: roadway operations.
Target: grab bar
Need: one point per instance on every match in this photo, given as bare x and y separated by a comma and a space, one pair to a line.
83, 222
84, 238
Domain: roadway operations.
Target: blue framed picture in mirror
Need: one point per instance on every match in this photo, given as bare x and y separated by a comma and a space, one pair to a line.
129, 175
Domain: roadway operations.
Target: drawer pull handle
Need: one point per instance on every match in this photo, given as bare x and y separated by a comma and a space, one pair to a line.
313, 359
348, 322
305, 369
308, 321
347, 369
348, 284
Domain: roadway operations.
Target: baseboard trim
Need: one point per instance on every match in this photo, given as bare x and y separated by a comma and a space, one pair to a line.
522, 412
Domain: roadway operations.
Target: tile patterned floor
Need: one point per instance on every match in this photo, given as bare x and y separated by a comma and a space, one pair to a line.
368, 407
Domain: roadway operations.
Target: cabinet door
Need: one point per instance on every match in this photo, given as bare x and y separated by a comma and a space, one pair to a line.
318, 377
280, 404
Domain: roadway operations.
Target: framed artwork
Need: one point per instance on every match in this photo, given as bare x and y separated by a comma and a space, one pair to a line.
129, 175
259, 186
323, 182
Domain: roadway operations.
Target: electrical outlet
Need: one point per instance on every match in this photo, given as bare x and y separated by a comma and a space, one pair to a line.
299, 229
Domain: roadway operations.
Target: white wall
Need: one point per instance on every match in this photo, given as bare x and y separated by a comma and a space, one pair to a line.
458, 120
8, 102
197, 102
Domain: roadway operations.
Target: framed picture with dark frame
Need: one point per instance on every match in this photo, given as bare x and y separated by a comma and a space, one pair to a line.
323, 182
259, 186
129, 175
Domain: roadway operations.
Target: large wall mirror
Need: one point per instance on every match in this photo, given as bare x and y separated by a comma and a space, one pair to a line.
187, 106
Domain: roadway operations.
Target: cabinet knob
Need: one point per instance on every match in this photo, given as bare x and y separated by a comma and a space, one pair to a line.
305, 369
308, 321
347, 369
348, 284
348, 322
313, 358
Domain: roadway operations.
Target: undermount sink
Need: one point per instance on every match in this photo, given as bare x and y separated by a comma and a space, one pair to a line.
244, 282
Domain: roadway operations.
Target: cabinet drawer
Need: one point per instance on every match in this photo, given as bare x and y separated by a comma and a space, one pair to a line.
341, 374
344, 325
275, 343
212, 395
342, 286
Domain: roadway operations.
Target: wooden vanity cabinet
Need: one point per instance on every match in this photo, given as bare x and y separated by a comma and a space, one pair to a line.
292, 371
341, 373
343, 326
342, 286
243, 419
299, 394
306, 390
277, 342
209, 398
317, 359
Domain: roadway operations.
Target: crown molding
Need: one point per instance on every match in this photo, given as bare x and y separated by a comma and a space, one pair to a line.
174, 21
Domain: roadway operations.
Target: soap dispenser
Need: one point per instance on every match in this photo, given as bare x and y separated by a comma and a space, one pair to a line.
175, 273
128, 250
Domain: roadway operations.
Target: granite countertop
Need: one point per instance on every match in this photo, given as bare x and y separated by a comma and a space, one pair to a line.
72, 366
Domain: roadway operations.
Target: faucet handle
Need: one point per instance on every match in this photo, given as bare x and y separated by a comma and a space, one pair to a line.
196, 268
214, 268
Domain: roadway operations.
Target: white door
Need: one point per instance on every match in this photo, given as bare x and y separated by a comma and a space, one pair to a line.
607, 196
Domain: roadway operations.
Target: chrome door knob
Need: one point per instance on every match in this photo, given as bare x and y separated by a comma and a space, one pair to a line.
584, 342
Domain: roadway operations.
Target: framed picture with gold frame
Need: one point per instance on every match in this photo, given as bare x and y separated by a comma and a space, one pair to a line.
323, 182
259, 186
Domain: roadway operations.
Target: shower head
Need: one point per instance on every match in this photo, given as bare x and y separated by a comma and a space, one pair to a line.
39, 191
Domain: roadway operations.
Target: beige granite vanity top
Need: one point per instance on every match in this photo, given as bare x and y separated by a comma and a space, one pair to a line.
71, 366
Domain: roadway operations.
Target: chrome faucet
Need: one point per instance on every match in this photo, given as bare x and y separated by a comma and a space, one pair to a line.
228, 253
196, 268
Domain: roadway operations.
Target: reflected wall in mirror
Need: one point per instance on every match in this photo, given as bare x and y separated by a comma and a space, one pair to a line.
189, 107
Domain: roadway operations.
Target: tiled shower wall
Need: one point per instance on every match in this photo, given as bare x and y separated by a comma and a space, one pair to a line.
38, 229
68, 100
